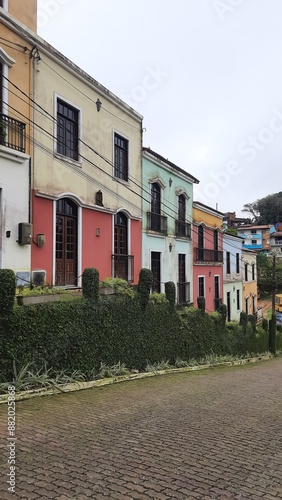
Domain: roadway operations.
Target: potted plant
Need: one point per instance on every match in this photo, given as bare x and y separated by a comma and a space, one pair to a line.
38, 295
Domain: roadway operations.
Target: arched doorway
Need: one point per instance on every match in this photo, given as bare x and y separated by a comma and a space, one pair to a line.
121, 246
66, 242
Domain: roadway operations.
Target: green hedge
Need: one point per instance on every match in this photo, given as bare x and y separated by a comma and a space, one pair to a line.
81, 334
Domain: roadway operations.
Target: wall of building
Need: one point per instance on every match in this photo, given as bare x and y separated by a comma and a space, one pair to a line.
25, 11
94, 170
14, 206
232, 288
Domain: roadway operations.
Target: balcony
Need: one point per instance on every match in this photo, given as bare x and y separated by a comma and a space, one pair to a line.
12, 133
157, 223
276, 242
217, 303
207, 255
182, 229
123, 267
183, 293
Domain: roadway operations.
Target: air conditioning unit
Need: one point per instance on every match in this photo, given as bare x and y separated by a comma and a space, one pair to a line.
38, 278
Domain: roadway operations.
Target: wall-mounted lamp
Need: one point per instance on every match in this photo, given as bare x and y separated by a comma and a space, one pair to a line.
233, 288
98, 104
170, 246
98, 231
170, 181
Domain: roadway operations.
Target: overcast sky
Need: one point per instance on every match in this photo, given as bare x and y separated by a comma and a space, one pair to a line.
205, 74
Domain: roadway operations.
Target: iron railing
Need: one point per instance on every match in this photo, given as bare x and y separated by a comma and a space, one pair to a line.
207, 255
12, 133
182, 229
156, 222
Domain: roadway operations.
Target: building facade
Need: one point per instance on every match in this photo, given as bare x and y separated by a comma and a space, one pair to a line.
15, 114
249, 275
208, 255
167, 222
256, 237
85, 179
232, 276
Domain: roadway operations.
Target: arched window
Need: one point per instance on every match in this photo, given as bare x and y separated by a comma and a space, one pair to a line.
155, 207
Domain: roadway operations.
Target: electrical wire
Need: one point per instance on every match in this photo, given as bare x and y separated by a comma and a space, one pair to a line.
49, 116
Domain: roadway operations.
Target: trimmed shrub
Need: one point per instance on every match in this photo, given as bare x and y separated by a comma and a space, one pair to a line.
223, 312
170, 292
201, 301
243, 320
252, 319
7, 291
144, 287
90, 284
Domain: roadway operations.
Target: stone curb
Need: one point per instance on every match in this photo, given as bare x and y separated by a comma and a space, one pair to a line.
78, 386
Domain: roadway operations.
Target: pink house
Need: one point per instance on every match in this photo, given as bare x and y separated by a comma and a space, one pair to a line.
208, 255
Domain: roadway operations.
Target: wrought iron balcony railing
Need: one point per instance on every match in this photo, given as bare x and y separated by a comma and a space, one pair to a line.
183, 293
123, 267
182, 229
12, 133
156, 222
207, 255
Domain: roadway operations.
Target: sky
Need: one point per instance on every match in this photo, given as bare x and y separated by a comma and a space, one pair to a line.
206, 75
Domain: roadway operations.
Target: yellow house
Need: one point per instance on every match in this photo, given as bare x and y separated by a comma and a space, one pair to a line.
249, 274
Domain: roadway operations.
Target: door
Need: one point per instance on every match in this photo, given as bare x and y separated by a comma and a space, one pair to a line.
156, 271
121, 247
182, 299
66, 243
200, 243
228, 306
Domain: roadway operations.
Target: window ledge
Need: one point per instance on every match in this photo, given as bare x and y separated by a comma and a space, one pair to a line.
121, 181
77, 163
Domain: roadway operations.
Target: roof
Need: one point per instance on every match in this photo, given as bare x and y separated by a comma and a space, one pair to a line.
266, 226
278, 233
209, 208
170, 164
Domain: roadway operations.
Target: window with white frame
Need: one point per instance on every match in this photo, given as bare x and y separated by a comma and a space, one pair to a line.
120, 157
201, 286
67, 130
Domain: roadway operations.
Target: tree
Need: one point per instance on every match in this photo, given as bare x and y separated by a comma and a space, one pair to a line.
267, 210
265, 273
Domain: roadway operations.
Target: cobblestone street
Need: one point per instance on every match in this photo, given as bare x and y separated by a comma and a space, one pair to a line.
214, 434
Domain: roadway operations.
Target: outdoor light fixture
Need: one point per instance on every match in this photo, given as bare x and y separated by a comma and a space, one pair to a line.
98, 231
98, 104
170, 181
170, 247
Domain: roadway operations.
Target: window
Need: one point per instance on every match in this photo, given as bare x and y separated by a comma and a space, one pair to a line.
181, 215
237, 263
227, 262
201, 286
254, 242
156, 271
253, 272
121, 158
238, 300
155, 206
246, 272
253, 231
200, 243
67, 130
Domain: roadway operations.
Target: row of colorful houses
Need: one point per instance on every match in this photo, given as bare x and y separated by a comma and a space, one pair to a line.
78, 189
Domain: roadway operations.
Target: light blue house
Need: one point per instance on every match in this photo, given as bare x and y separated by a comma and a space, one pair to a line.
232, 276
167, 247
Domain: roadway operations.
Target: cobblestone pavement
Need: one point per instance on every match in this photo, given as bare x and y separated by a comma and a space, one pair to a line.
215, 434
